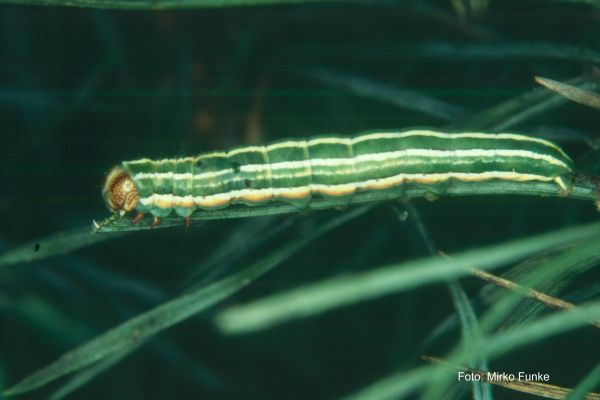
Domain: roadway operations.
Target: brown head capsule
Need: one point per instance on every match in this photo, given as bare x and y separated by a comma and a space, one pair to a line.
119, 191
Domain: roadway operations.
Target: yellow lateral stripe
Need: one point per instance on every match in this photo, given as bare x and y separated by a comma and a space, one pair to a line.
260, 195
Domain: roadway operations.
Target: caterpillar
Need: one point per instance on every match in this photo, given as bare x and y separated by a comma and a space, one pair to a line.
294, 171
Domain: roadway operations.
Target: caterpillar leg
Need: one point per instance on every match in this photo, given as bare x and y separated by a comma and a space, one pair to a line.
188, 222
562, 184
155, 221
138, 217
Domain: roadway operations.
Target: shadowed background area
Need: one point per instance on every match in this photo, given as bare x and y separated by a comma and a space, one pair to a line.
84, 89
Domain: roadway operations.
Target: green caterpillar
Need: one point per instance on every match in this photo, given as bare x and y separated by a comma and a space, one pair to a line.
294, 171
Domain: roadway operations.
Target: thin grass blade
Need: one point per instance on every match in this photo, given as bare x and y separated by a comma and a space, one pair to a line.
57, 244
403, 98
548, 280
541, 389
337, 292
86, 375
586, 385
586, 252
135, 330
519, 109
553, 324
585, 97
471, 334
581, 189
395, 386
467, 317
585, 249
505, 51
157, 5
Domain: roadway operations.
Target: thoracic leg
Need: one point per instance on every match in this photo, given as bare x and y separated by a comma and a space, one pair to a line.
138, 217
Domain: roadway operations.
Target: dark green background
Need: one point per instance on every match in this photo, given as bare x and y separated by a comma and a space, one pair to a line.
81, 90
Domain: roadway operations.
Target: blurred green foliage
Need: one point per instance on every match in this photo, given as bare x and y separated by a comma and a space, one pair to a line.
83, 89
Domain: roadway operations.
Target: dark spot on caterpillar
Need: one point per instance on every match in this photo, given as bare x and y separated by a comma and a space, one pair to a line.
37, 247
198, 163
247, 183
236, 167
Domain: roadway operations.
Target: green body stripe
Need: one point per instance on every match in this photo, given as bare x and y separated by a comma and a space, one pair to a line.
298, 174
294, 171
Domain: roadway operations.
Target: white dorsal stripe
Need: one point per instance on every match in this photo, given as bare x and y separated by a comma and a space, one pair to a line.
385, 135
375, 157
451, 136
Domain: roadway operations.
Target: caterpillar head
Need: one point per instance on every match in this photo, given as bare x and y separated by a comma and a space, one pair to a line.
119, 191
